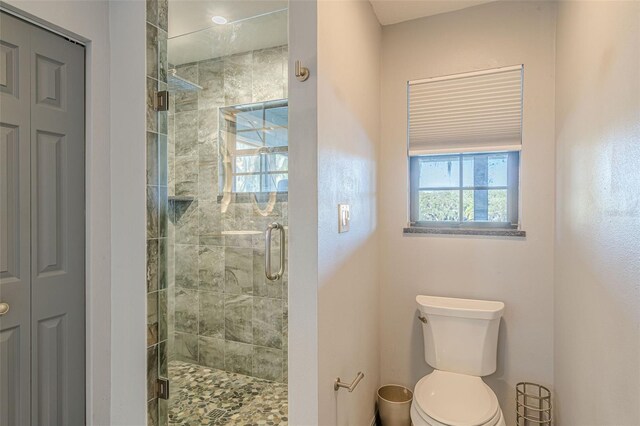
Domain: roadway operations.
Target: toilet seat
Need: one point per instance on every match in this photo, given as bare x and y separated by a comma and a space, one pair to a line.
420, 418
453, 399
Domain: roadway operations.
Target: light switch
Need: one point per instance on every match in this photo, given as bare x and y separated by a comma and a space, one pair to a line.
344, 218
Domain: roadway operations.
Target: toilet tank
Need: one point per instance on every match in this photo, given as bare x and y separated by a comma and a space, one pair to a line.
460, 335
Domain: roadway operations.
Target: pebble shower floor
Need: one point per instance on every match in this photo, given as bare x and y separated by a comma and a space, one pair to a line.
206, 396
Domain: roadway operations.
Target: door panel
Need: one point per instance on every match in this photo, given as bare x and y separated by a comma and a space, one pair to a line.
52, 395
10, 187
50, 151
57, 230
49, 81
15, 277
9, 71
12, 374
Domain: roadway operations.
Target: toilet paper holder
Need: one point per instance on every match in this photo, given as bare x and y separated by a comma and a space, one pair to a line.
337, 384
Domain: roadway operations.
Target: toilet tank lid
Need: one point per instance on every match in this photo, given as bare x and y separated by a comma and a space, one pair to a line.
462, 308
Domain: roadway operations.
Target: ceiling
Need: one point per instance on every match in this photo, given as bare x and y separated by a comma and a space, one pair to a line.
259, 24
394, 11
261, 32
187, 16
252, 25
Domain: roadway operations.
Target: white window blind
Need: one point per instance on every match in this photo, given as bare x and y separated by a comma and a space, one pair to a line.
473, 112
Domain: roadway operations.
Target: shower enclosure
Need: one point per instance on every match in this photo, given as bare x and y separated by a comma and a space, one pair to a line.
225, 353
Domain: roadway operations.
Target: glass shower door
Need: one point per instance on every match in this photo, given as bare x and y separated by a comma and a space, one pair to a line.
227, 183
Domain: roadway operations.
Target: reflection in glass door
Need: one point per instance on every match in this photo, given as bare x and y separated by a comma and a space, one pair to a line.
254, 147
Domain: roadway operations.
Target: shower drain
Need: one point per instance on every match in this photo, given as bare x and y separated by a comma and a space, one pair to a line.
216, 413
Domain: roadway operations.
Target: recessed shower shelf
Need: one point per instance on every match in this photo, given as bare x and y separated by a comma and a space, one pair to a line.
179, 204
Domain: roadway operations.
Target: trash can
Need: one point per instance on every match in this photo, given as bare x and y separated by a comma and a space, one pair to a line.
394, 405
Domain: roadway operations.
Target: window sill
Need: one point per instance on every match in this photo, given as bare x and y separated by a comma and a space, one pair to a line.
490, 232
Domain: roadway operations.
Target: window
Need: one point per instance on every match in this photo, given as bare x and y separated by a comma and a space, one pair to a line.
465, 189
255, 147
464, 141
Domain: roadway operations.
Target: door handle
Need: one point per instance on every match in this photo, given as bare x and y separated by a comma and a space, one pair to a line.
267, 251
4, 308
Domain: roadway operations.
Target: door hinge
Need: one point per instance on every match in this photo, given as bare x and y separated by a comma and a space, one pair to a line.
163, 388
162, 100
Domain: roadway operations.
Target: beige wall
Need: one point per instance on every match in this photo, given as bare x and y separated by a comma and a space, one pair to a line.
348, 136
597, 296
516, 271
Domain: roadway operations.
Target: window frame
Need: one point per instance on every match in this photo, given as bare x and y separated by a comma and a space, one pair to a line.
513, 189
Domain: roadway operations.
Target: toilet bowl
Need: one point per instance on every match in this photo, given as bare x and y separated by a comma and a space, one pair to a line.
451, 399
460, 342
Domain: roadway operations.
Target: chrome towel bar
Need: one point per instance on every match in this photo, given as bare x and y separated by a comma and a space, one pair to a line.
350, 387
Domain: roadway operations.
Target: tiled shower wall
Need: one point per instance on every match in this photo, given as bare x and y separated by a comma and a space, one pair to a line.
157, 210
223, 313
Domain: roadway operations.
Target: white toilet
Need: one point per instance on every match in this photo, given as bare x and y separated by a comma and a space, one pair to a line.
460, 343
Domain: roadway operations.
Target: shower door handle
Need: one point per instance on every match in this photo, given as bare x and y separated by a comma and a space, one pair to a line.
267, 251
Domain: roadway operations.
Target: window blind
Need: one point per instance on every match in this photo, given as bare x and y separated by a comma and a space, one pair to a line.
473, 112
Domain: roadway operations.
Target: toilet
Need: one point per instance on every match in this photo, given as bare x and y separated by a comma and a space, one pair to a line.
460, 343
